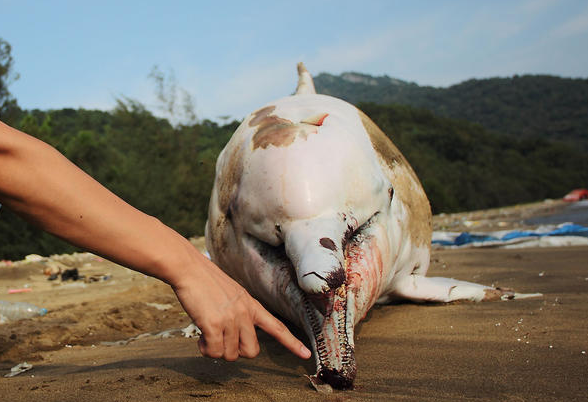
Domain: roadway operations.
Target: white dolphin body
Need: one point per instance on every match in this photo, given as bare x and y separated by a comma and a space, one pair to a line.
318, 215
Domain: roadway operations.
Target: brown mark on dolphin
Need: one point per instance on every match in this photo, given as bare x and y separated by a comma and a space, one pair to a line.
381, 143
405, 183
228, 190
277, 131
230, 179
328, 243
274, 130
260, 115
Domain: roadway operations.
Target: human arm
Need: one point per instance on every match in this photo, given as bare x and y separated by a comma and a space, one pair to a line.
41, 185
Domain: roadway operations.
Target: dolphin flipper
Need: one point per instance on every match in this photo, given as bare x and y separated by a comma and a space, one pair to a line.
419, 288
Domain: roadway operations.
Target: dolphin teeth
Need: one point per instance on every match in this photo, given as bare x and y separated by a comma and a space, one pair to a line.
335, 367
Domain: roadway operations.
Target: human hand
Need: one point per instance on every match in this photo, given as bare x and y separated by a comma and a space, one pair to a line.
227, 315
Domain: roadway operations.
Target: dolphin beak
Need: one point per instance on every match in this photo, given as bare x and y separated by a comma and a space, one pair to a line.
316, 248
332, 338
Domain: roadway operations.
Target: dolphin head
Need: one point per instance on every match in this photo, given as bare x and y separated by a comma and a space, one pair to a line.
316, 191
340, 266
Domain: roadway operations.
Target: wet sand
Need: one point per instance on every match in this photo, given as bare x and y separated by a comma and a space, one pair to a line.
522, 350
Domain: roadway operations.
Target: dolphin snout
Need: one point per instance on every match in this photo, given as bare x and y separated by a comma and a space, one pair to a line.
315, 249
319, 273
336, 379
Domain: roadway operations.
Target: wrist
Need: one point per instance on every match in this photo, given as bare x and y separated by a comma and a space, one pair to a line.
180, 263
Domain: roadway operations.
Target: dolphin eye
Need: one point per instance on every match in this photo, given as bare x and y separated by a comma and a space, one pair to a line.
355, 234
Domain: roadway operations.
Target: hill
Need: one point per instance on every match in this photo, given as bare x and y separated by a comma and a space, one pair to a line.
528, 106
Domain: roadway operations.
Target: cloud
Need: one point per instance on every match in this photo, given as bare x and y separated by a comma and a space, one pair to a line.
251, 87
344, 56
266, 79
395, 49
538, 6
574, 26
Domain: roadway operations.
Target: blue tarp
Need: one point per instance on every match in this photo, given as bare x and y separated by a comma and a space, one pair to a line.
466, 237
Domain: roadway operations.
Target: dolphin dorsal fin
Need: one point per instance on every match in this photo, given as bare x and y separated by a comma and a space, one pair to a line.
305, 83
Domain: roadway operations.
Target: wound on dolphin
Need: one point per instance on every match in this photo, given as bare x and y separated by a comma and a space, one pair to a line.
336, 278
316, 120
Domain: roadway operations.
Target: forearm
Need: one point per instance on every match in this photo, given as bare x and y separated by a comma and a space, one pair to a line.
40, 184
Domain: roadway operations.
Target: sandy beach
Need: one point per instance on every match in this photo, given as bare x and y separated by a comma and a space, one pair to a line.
523, 350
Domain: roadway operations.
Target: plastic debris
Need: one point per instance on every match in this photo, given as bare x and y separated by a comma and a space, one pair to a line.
318, 385
53, 267
97, 278
34, 258
72, 274
566, 234
159, 306
18, 369
191, 331
14, 311
169, 333
21, 290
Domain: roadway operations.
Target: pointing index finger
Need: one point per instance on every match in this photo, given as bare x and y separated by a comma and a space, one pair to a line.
274, 327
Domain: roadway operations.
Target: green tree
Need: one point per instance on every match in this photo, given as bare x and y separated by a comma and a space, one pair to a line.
8, 105
168, 93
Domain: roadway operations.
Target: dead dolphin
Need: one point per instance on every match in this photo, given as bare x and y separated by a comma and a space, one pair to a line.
318, 215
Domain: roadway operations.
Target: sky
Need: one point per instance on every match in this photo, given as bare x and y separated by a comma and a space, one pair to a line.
234, 56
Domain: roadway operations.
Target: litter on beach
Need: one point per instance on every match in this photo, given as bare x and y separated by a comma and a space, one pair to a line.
19, 369
21, 290
566, 234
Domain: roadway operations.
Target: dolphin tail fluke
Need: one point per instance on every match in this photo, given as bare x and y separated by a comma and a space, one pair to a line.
305, 83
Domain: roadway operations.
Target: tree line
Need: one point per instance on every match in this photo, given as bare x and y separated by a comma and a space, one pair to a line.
167, 170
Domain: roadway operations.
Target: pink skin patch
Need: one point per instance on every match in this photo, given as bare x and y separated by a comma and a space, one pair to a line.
364, 273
